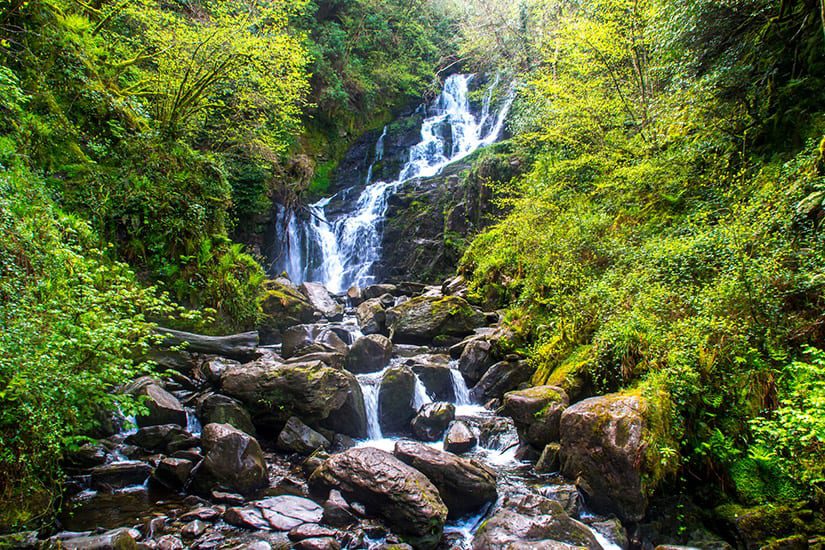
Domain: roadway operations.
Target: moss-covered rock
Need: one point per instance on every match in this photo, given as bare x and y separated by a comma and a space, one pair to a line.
425, 318
536, 413
610, 445
773, 526
395, 400
282, 306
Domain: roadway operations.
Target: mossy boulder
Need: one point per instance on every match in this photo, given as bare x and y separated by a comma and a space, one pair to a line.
772, 525
432, 420
400, 494
424, 319
282, 306
609, 445
536, 413
371, 316
395, 400
368, 354
233, 461
311, 391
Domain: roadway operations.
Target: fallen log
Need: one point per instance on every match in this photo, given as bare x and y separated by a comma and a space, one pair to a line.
241, 347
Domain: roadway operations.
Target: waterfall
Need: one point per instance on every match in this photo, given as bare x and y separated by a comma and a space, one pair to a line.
420, 397
342, 252
460, 389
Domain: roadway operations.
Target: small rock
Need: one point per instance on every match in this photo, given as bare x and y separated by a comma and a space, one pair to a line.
371, 316
324, 543
432, 420
460, 438
320, 298
173, 472
287, 512
368, 354
202, 513
250, 518
502, 377
549, 459
194, 529
309, 531
299, 438
337, 511
117, 539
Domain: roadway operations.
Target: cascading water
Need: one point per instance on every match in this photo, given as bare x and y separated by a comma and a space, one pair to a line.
342, 252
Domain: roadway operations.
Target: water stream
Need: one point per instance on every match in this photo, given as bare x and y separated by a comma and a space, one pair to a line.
342, 252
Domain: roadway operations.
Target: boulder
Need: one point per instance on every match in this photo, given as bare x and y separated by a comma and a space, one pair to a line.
106, 510
299, 438
282, 306
423, 319
211, 369
434, 372
395, 400
474, 361
536, 413
502, 377
402, 495
232, 460
337, 511
532, 521
604, 446
311, 391
215, 408
549, 459
163, 407
432, 420
368, 354
460, 438
371, 316
320, 298
173, 472
166, 438
118, 475
287, 512
350, 419
88, 455
377, 291
465, 485
355, 296
334, 359
306, 339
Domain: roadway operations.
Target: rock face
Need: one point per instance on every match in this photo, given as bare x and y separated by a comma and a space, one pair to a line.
432, 420
424, 318
532, 521
536, 413
320, 298
369, 354
464, 485
475, 360
311, 391
300, 438
501, 378
402, 495
395, 400
604, 446
232, 460
282, 306
460, 438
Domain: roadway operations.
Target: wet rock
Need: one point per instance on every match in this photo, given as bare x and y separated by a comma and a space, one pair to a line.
169, 542
425, 318
532, 521
118, 475
432, 420
455, 286
215, 408
465, 485
232, 459
332, 359
320, 298
350, 419
536, 413
305, 339
227, 498
395, 400
613, 530
376, 291
87, 456
297, 437
309, 531
163, 407
369, 354
166, 438
371, 317
212, 369
496, 432
286, 512
565, 494
549, 459
117, 539
192, 455
460, 438
173, 472
475, 360
194, 529
311, 391
323, 543
435, 373
355, 296
604, 443
337, 511
249, 518
202, 513
282, 306
397, 492
501, 378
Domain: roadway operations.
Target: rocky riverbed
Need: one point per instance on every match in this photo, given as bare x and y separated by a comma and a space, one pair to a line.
390, 417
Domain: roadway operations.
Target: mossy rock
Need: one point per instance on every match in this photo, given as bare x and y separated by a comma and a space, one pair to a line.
423, 319
771, 525
282, 306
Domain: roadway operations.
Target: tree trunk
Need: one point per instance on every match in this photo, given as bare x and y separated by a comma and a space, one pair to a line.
241, 347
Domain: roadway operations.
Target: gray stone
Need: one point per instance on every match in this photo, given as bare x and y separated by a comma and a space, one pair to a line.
299, 438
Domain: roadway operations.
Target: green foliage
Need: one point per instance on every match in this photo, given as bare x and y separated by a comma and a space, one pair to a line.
666, 234
73, 321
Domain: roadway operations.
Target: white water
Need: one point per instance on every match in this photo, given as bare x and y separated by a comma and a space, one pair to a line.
460, 389
420, 397
342, 252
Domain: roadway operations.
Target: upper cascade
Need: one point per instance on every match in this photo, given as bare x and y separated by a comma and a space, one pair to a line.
343, 251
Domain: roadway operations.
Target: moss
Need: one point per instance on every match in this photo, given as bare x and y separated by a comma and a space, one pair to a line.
555, 366
769, 525
759, 481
